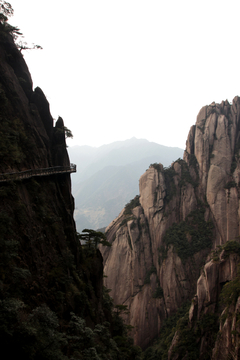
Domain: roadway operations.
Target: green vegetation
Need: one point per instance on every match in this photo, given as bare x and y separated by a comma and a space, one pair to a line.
131, 205
43, 317
185, 173
125, 220
68, 133
230, 184
189, 338
169, 174
63, 131
52, 303
160, 348
193, 163
231, 291
156, 166
189, 236
171, 189
37, 335
93, 238
129, 215
7, 11
230, 247
188, 343
42, 332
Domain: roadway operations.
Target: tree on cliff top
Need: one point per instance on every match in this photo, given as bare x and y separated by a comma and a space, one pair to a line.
7, 11
92, 237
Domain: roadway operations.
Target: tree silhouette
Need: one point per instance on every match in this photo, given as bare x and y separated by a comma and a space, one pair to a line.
93, 238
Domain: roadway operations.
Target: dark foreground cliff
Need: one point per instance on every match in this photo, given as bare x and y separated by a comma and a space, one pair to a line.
52, 301
179, 241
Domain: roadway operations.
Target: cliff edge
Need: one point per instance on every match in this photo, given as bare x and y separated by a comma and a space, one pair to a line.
163, 237
52, 301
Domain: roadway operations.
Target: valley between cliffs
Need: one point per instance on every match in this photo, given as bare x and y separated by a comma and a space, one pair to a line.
163, 241
174, 247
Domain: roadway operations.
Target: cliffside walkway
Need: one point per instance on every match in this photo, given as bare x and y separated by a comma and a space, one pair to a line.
37, 172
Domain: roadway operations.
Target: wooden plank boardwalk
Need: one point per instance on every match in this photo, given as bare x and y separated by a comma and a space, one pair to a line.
37, 172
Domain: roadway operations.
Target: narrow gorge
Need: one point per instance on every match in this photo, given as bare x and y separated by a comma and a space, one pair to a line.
172, 267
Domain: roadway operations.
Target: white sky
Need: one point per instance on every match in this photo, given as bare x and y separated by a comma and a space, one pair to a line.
114, 69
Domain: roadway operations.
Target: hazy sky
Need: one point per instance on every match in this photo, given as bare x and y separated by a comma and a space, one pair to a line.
117, 69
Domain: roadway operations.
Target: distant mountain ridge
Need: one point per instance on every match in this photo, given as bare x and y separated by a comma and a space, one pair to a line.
107, 177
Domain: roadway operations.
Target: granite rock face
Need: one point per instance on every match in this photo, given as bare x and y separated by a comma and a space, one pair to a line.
228, 339
215, 144
162, 238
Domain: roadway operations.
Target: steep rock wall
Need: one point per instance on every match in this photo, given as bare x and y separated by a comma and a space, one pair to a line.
159, 246
215, 143
52, 301
40, 257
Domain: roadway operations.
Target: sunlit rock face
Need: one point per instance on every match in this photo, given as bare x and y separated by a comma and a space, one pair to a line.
161, 240
215, 145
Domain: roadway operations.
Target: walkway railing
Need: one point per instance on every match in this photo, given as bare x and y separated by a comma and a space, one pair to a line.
37, 172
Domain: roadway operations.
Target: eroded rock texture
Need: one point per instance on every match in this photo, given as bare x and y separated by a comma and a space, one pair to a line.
161, 240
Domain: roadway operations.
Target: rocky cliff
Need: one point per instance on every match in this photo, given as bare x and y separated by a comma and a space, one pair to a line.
162, 239
52, 301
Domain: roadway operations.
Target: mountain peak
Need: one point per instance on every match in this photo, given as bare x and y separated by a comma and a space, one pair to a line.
160, 240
